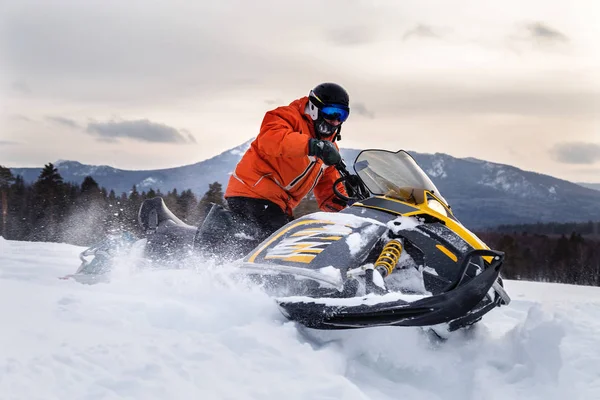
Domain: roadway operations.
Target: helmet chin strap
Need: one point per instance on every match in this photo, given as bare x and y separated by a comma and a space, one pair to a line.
338, 135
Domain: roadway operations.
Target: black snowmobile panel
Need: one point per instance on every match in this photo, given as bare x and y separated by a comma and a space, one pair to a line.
438, 253
433, 245
388, 205
314, 243
370, 213
460, 307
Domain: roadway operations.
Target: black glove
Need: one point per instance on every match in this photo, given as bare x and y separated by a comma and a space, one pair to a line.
324, 150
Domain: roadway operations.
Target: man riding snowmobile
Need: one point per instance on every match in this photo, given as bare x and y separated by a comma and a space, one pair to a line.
294, 153
396, 257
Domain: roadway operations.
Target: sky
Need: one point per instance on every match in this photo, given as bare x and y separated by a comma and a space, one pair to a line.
157, 84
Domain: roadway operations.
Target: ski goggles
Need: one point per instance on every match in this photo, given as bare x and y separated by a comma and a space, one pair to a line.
334, 112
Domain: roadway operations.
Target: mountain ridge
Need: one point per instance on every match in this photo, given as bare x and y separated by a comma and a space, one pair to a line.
481, 193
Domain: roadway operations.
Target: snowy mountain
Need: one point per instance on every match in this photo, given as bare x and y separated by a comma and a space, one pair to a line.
194, 334
195, 176
595, 186
481, 193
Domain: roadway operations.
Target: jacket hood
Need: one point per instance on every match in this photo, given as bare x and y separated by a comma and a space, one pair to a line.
300, 104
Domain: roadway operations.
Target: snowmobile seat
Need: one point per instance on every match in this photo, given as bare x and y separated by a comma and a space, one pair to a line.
167, 234
226, 234
154, 212
221, 234
218, 225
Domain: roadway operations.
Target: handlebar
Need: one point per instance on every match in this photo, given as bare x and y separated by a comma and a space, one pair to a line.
355, 188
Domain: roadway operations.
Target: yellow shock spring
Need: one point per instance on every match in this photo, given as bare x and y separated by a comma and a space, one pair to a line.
387, 260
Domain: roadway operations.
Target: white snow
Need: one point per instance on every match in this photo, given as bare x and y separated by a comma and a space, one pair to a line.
148, 182
240, 150
357, 240
403, 224
242, 235
332, 272
437, 168
350, 220
369, 299
195, 334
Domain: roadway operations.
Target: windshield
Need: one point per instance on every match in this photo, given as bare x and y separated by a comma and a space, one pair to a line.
395, 175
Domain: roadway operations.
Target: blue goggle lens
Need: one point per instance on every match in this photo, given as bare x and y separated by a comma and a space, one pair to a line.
335, 113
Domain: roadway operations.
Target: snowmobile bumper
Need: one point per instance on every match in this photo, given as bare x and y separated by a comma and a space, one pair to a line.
462, 304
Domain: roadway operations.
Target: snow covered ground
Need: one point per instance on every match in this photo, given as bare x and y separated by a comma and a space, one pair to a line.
193, 334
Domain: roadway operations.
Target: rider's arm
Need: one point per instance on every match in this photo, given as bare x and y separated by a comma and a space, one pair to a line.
277, 137
326, 199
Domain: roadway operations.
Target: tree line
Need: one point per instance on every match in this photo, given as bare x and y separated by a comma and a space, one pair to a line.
83, 214
549, 252
553, 228
52, 210
572, 258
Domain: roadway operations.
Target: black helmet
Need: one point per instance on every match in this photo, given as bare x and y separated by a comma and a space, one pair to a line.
328, 101
330, 93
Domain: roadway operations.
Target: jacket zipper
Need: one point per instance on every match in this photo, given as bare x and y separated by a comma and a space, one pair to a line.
302, 175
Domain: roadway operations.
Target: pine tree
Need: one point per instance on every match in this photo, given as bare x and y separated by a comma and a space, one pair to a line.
49, 204
89, 186
172, 202
130, 208
6, 178
134, 196
19, 210
214, 195
188, 204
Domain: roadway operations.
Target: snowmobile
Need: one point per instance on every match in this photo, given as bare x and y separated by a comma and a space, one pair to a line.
396, 256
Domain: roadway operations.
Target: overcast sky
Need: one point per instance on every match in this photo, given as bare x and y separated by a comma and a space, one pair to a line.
154, 84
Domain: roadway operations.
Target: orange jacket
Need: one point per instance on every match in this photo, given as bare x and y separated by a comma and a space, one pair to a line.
277, 166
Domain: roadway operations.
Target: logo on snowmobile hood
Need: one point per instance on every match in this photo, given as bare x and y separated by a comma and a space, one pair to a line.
304, 244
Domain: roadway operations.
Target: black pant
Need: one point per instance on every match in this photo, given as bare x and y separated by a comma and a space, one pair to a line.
234, 233
259, 218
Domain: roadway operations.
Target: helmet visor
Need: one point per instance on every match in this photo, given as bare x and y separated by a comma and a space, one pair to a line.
334, 112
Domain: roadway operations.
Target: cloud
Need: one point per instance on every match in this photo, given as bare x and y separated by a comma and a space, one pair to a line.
188, 134
19, 117
160, 52
149, 54
576, 153
421, 31
351, 35
108, 140
20, 87
361, 109
542, 32
7, 143
428, 98
142, 130
64, 121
